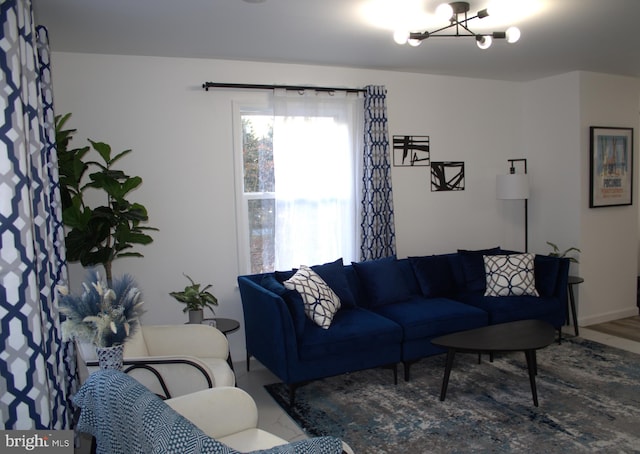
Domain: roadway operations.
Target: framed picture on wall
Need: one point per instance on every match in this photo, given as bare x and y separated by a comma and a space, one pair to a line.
411, 151
611, 166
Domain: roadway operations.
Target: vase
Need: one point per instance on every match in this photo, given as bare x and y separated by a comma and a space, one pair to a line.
196, 317
110, 357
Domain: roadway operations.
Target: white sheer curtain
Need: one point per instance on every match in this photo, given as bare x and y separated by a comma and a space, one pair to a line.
317, 151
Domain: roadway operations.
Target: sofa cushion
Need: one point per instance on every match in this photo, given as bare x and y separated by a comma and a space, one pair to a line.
473, 267
292, 299
434, 275
333, 274
502, 309
383, 281
320, 302
353, 331
546, 270
422, 317
282, 276
510, 275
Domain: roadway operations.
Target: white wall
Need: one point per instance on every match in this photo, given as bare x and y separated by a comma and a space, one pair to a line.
551, 142
557, 114
182, 142
609, 235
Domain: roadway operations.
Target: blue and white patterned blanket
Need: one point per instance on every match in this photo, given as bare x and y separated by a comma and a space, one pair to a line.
125, 417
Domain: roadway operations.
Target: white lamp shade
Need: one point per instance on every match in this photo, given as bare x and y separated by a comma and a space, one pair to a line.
512, 186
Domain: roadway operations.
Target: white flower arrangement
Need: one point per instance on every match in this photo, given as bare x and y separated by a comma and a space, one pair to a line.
101, 315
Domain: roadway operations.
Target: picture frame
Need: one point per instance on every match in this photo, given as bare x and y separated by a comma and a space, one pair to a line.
411, 151
610, 166
447, 176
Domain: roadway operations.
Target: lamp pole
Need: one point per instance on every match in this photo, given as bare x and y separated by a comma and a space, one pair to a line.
512, 170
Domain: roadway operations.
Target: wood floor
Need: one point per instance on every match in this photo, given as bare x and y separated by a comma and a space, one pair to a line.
627, 328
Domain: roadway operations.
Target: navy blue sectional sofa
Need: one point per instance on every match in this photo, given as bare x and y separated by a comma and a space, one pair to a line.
390, 311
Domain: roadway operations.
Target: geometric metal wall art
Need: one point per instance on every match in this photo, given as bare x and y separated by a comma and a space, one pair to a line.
411, 151
447, 176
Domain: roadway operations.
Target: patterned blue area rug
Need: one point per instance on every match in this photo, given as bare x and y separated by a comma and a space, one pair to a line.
589, 396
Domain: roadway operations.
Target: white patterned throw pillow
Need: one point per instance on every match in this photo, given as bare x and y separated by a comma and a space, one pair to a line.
510, 275
320, 302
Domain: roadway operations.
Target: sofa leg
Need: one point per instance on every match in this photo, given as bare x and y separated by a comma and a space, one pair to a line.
560, 335
407, 366
248, 360
394, 368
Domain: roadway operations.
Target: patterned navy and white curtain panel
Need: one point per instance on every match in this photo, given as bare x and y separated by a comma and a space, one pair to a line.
34, 381
378, 228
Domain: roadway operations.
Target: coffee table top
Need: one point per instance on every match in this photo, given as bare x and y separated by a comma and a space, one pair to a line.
504, 337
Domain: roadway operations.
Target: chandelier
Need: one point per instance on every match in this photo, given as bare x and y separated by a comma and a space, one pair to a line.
457, 15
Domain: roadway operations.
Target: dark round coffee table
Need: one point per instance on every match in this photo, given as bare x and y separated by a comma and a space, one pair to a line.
524, 335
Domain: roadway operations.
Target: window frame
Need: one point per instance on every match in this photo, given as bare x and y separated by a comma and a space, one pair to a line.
240, 108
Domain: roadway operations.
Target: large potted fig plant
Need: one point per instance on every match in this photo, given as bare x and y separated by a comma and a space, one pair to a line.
97, 235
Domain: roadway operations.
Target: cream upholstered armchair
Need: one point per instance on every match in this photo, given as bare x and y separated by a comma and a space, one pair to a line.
230, 416
173, 360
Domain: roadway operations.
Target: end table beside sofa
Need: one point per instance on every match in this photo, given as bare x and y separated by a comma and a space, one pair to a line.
390, 311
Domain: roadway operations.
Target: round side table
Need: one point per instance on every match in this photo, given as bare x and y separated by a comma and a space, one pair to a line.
226, 325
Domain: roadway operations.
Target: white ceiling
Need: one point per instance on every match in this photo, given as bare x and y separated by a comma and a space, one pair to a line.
558, 36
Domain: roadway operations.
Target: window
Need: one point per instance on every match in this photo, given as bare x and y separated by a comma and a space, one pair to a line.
297, 200
258, 190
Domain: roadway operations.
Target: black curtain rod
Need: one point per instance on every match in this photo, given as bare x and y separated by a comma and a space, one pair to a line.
208, 85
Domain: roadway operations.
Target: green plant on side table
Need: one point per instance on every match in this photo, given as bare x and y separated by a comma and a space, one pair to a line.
556, 252
195, 300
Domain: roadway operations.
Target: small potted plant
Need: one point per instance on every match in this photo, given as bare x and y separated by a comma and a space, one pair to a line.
195, 300
103, 315
556, 252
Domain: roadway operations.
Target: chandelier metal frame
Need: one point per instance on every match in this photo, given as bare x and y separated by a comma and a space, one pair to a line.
458, 24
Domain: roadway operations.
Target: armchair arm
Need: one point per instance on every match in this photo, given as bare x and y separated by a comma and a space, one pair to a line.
218, 412
169, 376
269, 330
177, 340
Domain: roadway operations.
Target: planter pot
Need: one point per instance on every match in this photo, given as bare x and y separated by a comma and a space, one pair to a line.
196, 317
110, 357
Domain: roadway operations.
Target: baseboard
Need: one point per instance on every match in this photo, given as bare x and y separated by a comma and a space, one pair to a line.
608, 316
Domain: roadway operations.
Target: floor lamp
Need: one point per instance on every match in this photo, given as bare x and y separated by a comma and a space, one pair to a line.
515, 186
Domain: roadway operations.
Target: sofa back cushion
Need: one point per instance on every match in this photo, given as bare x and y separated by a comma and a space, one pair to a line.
546, 271
473, 267
383, 281
434, 275
333, 273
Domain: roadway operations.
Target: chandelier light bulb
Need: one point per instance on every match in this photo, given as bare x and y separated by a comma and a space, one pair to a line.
414, 42
401, 36
513, 34
484, 42
444, 11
